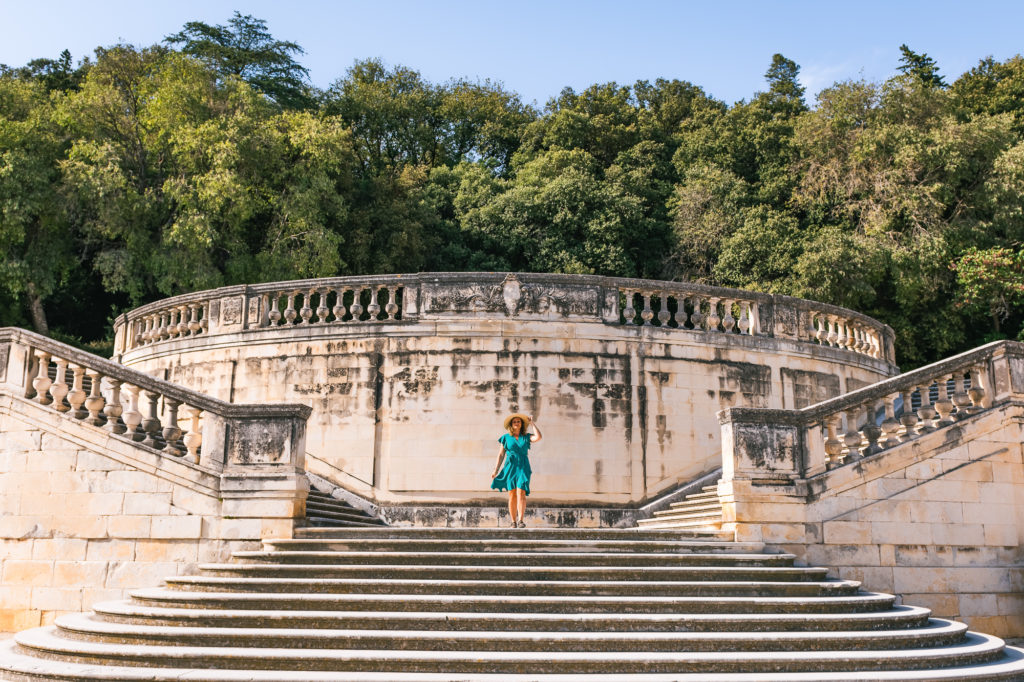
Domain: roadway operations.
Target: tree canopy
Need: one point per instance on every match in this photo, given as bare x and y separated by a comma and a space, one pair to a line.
143, 172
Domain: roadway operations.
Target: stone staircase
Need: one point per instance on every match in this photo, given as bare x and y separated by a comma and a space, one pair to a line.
325, 511
698, 512
415, 604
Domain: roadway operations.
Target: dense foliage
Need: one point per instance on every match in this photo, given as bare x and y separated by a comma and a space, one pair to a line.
209, 160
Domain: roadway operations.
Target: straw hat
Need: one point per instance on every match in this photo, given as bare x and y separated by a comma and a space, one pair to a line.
508, 420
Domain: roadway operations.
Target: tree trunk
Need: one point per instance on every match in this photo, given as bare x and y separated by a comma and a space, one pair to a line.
35, 309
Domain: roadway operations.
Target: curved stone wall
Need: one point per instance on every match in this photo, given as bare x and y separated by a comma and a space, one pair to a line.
409, 376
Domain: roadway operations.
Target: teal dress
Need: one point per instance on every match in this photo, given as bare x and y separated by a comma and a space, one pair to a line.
516, 472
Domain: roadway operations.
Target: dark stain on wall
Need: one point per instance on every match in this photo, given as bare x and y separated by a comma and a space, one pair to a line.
810, 387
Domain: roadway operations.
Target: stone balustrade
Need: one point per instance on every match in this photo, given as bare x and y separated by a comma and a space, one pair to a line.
680, 307
399, 299
785, 445
174, 420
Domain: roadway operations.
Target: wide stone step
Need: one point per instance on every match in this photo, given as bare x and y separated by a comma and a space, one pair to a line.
81, 626
280, 562
894, 617
502, 587
579, 573
974, 649
712, 512
512, 603
23, 668
563, 534
522, 544
680, 507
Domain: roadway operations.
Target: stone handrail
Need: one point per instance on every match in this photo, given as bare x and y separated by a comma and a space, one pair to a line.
401, 299
174, 420
784, 445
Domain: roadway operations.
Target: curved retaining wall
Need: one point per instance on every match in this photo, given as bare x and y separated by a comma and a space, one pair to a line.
409, 376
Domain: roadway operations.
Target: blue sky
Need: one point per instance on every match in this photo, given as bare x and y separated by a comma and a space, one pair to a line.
535, 48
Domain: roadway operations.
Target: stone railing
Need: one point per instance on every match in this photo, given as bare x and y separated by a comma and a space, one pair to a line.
784, 445
173, 420
404, 299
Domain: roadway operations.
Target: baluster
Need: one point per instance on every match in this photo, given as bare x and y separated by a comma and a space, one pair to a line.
818, 324
646, 314
832, 323
728, 322
94, 402
204, 317
713, 318
165, 332
133, 417
357, 307
77, 394
172, 325
908, 419
322, 310
944, 405
833, 446
663, 313
274, 315
874, 347
977, 391
171, 431
841, 336
852, 439
744, 323
926, 412
859, 344
629, 312
871, 430
114, 409
373, 309
59, 388
193, 319
183, 320
851, 336
392, 305
890, 427
151, 424
142, 337
194, 438
306, 313
42, 382
290, 313
697, 316
960, 398
339, 309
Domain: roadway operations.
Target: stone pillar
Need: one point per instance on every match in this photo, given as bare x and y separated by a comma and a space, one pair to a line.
763, 463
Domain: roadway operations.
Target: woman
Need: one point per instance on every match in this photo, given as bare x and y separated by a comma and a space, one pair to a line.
514, 476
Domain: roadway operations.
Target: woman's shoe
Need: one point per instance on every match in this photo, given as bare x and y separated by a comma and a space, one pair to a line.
520, 525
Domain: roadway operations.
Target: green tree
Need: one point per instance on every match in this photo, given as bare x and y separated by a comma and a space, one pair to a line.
36, 241
920, 67
247, 50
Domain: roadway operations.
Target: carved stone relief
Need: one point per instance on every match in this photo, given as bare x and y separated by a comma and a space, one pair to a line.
512, 298
231, 311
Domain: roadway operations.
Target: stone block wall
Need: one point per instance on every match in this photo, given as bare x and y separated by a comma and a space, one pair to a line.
938, 521
85, 517
411, 413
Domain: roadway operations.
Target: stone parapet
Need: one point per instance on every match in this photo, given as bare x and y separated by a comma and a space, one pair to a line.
409, 376
397, 299
913, 485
